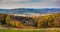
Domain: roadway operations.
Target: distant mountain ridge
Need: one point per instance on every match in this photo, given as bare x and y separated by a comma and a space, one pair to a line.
30, 10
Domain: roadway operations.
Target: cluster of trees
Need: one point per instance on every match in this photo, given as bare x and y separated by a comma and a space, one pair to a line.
48, 21
3, 18
20, 21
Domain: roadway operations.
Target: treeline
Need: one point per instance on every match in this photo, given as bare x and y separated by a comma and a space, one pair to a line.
17, 21
3, 18
48, 21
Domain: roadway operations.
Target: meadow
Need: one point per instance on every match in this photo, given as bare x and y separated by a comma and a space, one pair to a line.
29, 30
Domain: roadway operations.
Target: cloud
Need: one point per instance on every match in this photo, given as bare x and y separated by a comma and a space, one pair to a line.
29, 3
13, 1
19, 0
24, 1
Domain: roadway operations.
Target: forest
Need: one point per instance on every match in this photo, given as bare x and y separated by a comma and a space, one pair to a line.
39, 22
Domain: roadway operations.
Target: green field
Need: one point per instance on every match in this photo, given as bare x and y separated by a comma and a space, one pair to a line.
24, 31
28, 30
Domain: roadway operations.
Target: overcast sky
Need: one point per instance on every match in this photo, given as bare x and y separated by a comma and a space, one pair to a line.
9, 4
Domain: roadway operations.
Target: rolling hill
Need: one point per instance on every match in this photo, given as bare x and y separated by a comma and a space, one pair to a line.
30, 10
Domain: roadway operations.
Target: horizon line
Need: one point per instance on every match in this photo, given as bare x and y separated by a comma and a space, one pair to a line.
30, 7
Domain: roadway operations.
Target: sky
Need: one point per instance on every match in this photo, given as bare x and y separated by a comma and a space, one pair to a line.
10, 4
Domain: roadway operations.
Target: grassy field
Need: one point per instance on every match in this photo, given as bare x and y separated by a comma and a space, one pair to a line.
28, 30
